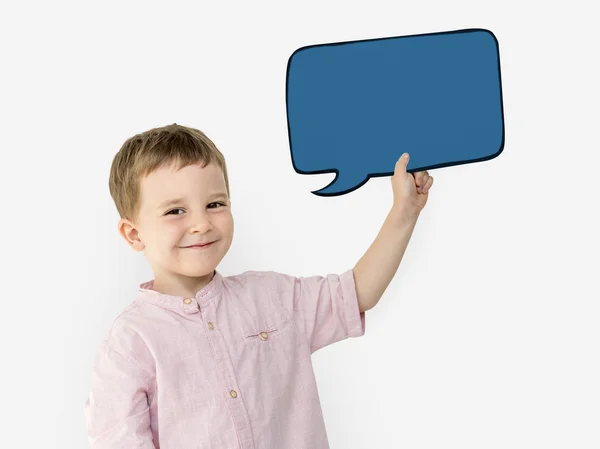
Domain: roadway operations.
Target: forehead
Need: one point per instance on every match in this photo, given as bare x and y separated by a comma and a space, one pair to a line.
167, 182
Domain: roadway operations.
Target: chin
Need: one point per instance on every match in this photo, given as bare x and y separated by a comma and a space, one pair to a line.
198, 267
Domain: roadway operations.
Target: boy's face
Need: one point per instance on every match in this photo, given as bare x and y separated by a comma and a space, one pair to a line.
165, 231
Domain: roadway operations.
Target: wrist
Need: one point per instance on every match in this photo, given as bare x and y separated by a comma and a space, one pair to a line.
401, 216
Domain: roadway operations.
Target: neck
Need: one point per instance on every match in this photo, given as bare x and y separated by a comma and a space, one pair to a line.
187, 287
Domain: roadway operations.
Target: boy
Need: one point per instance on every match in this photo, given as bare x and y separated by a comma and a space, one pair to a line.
203, 361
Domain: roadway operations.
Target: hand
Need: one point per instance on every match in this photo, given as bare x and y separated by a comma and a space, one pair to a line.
410, 190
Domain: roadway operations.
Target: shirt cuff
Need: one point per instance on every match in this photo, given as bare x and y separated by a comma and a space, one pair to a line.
355, 320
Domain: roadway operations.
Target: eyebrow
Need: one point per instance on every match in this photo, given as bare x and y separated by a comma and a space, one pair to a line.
173, 201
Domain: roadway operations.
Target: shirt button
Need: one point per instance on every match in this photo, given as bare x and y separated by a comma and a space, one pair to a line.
211, 326
233, 394
187, 300
263, 336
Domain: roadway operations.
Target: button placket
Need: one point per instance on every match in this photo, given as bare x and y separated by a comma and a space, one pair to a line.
190, 306
237, 407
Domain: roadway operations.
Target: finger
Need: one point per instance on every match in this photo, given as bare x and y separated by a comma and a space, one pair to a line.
418, 178
401, 164
428, 185
421, 179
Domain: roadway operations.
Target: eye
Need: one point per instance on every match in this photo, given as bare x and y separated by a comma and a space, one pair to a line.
217, 204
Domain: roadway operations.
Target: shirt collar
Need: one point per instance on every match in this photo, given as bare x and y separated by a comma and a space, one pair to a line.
181, 304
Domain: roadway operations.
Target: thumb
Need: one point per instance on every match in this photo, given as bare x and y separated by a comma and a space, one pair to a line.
401, 164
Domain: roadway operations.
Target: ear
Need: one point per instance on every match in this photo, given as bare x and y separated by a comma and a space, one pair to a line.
129, 232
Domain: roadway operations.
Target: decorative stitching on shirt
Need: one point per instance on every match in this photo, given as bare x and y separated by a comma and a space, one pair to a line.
256, 335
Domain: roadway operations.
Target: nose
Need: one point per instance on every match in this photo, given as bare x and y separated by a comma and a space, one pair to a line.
202, 224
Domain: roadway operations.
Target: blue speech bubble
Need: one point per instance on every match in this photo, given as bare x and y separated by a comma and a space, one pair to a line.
354, 107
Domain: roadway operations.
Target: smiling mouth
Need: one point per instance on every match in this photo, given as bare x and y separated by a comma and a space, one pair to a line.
206, 245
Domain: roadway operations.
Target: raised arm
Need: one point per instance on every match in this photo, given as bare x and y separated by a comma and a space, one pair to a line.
377, 267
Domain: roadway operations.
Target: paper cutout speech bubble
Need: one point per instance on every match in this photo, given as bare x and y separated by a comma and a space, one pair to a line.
354, 107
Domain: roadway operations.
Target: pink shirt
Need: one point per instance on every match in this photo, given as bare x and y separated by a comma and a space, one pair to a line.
228, 369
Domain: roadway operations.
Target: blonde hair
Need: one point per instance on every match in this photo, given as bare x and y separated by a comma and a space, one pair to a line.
146, 152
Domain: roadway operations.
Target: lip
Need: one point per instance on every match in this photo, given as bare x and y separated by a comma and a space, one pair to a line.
200, 246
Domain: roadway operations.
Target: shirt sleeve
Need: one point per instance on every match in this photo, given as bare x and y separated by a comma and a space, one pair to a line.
117, 410
325, 308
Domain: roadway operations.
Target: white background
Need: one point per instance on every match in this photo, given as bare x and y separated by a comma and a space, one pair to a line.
488, 336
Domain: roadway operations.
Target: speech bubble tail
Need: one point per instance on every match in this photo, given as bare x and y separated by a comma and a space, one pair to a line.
341, 185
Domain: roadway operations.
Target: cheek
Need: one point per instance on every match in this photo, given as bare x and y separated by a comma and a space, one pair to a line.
226, 223
170, 232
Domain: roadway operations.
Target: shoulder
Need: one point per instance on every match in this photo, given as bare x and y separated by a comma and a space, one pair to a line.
259, 279
123, 349
126, 334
